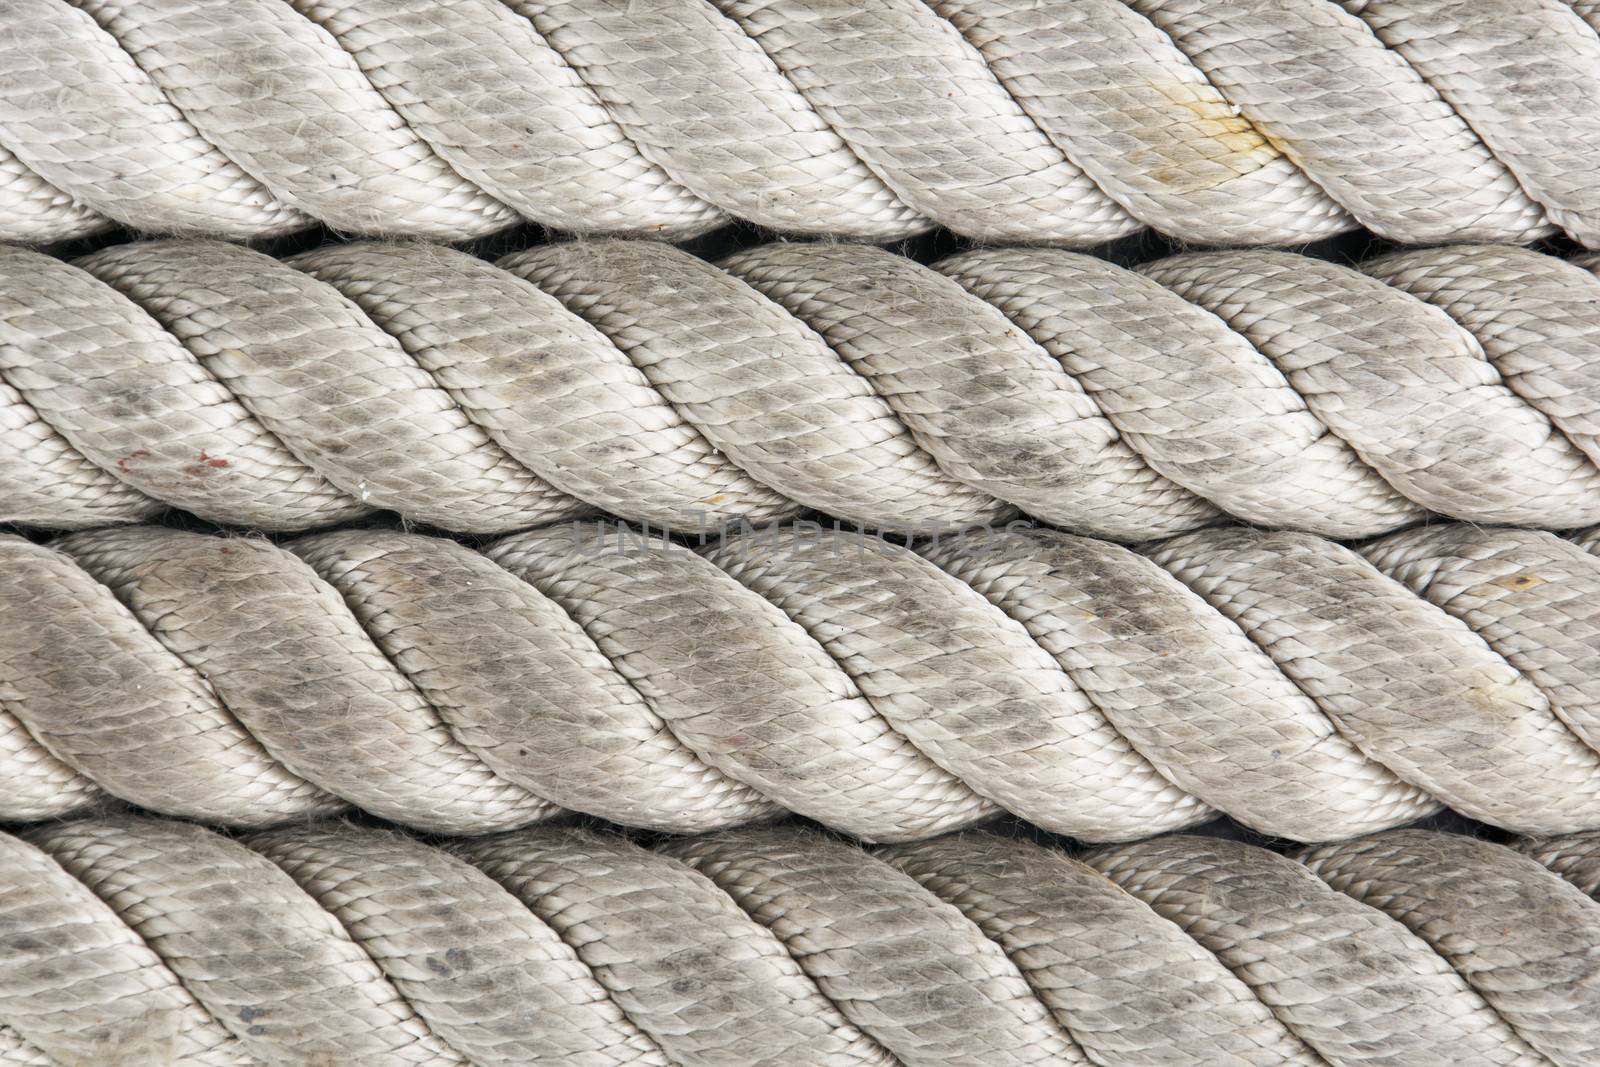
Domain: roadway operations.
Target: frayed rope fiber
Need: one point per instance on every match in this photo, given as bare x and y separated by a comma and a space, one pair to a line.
128, 942
1046, 121
1310, 691
635, 379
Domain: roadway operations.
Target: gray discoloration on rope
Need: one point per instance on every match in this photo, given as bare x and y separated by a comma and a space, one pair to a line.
580, 413
279, 648
638, 380
740, 685
824, 903
960, 681
1181, 682
495, 983
764, 388
1240, 122
543, 707
1445, 711
361, 412
1533, 324
17, 1052
1278, 678
1158, 367
677, 953
91, 989
1408, 389
993, 409
329, 944
114, 695
137, 405
1165, 1001
1497, 919
274, 971
1349, 981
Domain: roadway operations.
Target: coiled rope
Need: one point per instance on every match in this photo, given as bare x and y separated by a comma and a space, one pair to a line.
1309, 691
636, 379
1055, 121
141, 942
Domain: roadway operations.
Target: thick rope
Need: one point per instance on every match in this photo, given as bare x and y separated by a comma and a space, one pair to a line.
635, 379
1575, 857
139, 942
1043, 121
1308, 690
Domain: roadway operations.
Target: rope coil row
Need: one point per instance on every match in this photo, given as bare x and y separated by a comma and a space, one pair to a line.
895, 693
1057, 121
141, 942
635, 379
1307, 690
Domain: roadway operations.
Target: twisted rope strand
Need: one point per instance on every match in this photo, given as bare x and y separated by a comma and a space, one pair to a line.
634, 378
1409, 886
1307, 690
139, 941
1575, 857
16, 1052
1240, 122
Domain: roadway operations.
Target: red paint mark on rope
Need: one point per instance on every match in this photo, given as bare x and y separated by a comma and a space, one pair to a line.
122, 464
205, 466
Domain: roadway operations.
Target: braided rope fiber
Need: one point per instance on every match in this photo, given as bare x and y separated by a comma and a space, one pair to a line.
1342, 611
635, 379
1045, 121
140, 942
1310, 691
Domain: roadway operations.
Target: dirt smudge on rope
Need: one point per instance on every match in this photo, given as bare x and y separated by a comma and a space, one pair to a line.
1230, 141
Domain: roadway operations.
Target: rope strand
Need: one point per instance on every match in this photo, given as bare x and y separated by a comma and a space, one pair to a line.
1224, 123
635, 379
1307, 690
142, 942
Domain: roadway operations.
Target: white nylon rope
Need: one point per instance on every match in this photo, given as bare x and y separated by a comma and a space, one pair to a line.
155, 942
632, 378
1310, 691
894, 689
1044, 121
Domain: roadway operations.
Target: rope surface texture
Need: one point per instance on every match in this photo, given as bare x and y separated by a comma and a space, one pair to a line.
1043, 121
635, 379
139, 942
1310, 691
